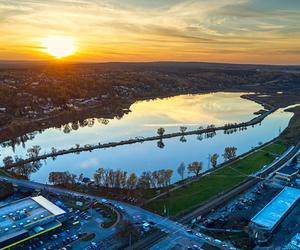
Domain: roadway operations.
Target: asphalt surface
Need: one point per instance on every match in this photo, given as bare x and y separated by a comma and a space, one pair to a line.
174, 229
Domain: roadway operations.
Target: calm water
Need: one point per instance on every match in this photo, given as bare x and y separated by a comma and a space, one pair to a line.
146, 116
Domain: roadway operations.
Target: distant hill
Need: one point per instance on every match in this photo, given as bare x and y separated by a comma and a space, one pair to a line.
159, 66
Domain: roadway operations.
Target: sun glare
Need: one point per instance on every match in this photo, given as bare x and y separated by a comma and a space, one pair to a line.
59, 46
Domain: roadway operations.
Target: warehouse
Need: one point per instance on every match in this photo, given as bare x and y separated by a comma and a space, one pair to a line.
267, 220
27, 218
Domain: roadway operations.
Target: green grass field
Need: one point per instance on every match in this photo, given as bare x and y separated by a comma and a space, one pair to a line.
217, 182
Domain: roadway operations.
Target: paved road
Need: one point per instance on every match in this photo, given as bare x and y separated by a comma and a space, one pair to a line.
174, 229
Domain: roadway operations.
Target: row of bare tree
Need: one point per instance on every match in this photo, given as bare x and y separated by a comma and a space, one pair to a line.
183, 129
196, 167
121, 179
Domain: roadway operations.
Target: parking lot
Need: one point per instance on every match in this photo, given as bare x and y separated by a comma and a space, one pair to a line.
230, 222
81, 229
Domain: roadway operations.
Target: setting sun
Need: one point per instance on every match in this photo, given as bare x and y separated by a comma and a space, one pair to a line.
58, 46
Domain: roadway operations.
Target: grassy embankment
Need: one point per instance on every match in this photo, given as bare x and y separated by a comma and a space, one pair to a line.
215, 183
228, 176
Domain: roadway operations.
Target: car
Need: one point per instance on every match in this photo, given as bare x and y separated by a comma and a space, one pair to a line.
197, 247
54, 237
189, 231
199, 235
217, 241
74, 237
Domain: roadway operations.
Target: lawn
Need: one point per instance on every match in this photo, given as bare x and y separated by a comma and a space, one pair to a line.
217, 182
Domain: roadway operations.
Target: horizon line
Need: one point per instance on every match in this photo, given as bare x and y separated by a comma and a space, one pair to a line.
5, 61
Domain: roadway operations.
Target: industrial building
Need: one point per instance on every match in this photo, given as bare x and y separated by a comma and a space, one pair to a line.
264, 223
287, 173
27, 218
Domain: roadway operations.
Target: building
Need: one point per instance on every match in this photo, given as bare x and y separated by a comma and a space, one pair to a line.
294, 244
27, 218
287, 173
264, 223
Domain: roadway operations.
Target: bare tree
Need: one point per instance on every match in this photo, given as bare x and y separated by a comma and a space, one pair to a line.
145, 180
99, 176
195, 167
161, 131
80, 177
214, 160
34, 151
123, 179
181, 170
183, 129
168, 177
8, 161
229, 153
132, 181
200, 128
62, 178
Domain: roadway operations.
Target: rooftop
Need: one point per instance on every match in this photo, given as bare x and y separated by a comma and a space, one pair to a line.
288, 170
23, 215
271, 214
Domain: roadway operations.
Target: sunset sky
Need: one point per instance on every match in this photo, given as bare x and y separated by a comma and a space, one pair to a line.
237, 31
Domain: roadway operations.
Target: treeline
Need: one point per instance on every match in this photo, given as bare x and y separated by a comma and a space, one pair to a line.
23, 170
110, 178
120, 179
58, 84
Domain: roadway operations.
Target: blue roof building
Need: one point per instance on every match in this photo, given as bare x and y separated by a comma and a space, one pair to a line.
266, 221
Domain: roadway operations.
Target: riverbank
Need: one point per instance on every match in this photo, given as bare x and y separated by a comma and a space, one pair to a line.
189, 196
195, 193
18, 127
210, 130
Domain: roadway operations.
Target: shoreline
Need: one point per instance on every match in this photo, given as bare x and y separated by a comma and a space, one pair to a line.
90, 148
19, 128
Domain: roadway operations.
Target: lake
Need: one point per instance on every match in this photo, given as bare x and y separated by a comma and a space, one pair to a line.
145, 117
